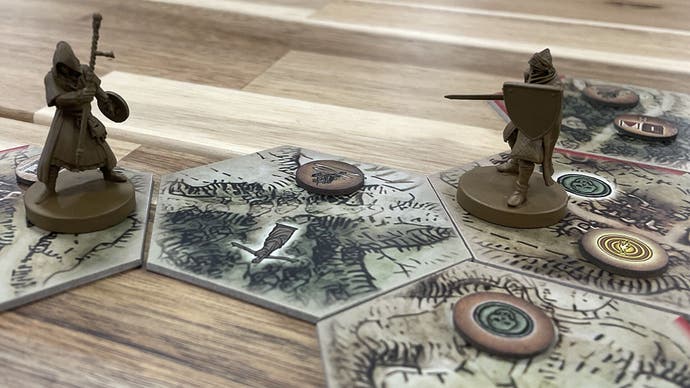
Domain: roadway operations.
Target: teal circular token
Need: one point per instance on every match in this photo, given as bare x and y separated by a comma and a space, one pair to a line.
587, 186
503, 319
503, 325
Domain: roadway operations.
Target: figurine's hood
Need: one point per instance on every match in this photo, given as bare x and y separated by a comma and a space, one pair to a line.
542, 60
541, 68
65, 55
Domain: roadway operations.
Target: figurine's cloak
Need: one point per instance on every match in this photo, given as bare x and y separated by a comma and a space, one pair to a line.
61, 144
537, 150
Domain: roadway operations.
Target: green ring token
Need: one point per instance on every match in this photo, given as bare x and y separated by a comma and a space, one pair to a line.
584, 185
503, 325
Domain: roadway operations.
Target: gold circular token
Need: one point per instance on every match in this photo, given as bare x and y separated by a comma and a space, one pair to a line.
624, 247
624, 253
503, 324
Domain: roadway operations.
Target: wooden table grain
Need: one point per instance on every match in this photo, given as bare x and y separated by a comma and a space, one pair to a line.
215, 79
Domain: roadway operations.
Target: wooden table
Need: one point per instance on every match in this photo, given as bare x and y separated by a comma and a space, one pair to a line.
214, 79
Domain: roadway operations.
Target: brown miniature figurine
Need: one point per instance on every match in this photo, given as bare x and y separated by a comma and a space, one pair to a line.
76, 142
534, 108
526, 151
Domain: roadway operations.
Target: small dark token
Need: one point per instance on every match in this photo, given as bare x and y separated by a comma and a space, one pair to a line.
26, 171
329, 177
503, 324
613, 96
645, 127
585, 185
623, 252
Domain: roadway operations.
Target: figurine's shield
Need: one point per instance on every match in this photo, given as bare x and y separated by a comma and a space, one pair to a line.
118, 111
533, 108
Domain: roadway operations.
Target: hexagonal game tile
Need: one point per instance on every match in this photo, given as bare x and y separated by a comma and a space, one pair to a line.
407, 338
244, 228
603, 193
35, 263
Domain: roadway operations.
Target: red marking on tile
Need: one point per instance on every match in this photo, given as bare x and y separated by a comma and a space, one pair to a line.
612, 159
14, 149
501, 105
683, 324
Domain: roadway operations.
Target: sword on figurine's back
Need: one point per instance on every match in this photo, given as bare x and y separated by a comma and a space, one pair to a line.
86, 111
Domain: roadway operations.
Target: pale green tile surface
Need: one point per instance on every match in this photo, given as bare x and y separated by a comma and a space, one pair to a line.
646, 200
407, 339
35, 263
345, 250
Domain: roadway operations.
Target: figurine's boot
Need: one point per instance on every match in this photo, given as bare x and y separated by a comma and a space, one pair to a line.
510, 167
49, 184
113, 176
519, 196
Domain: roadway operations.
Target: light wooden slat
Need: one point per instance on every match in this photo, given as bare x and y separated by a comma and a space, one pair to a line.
229, 49
243, 122
613, 46
635, 48
15, 133
382, 87
290, 9
139, 328
436, 50
309, 4
145, 40
671, 14
32, 348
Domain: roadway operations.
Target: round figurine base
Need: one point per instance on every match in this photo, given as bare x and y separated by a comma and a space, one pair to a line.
83, 203
483, 192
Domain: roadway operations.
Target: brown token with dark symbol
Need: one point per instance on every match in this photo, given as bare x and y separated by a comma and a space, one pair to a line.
330, 177
611, 95
624, 253
503, 324
645, 127
26, 171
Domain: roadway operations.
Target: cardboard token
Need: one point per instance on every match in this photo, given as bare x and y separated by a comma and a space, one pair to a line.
645, 127
613, 96
623, 252
329, 177
26, 171
585, 185
503, 324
